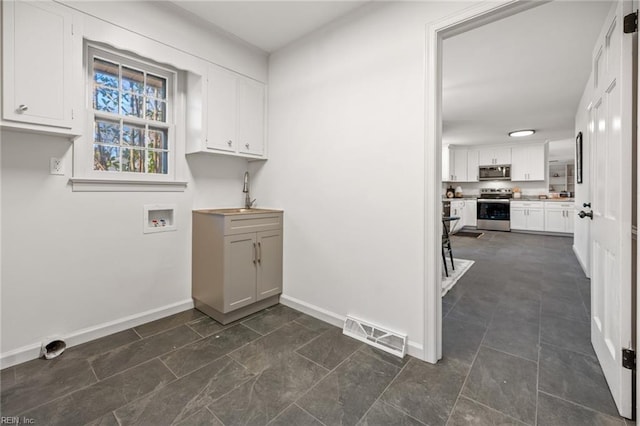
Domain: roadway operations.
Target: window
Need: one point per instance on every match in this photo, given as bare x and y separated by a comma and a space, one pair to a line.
132, 116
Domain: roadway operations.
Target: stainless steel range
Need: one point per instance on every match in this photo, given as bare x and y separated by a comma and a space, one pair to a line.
493, 209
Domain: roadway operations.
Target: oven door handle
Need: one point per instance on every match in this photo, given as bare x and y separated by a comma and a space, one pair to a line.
497, 200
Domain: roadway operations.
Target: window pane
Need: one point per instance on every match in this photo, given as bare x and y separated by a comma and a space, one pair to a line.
132, 80
105, 99
105, 73
157, 139
132, 135
132, 105
156, 110
158, 162
132, 160
156, 86
105, 131
106, 158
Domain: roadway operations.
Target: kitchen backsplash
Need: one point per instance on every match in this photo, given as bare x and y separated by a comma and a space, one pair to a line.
473, 188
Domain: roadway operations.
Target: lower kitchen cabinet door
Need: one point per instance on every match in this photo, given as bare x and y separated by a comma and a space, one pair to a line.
518, 218
535, 219
269, 280
239, 271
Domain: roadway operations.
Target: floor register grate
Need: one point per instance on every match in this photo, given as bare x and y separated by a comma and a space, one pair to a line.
376, 336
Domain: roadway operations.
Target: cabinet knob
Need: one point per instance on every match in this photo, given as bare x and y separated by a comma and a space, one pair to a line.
22, 108
246, 145
229, 143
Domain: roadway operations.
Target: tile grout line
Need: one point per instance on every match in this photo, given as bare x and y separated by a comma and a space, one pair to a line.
535, 417
581, 405
319, 421
484, 336
214, 414
382, 393
493, 409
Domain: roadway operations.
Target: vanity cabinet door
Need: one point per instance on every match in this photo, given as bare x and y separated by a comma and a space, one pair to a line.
240, 259
269, 279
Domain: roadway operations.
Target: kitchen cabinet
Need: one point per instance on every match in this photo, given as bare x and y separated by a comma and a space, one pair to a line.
559, 216
466, 210
494, 156
237, 262
37, 71
528, 162
561, 177
470, 213
457, 209
527, 215
458, 168
472, 165
233, 114
461, 165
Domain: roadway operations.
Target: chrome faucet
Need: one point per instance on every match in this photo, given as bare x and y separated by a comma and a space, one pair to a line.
248, 202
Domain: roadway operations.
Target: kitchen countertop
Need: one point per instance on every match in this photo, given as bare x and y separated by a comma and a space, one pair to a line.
535, 198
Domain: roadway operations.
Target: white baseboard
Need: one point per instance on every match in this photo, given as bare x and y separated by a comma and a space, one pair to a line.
32, 351
414, 349
581, 262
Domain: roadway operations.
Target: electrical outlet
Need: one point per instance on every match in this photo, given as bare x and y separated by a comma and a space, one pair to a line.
56, 166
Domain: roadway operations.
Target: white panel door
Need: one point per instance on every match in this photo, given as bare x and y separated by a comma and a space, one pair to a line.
459, 165
472, 166
611, 204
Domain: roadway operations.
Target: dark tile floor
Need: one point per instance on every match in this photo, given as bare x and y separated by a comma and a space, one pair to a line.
516, 351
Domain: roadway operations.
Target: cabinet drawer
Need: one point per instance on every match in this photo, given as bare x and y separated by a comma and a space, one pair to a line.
529, 204
554, 205
240, 224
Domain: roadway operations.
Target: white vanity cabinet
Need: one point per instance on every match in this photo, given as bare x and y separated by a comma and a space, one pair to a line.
559, 216
232, 110
236, 261
527, 215
37, 66
528, 163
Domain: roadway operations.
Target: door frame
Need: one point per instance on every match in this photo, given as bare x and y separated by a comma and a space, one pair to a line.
465, 20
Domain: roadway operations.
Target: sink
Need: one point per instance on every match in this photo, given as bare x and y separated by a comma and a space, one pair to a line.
231, 211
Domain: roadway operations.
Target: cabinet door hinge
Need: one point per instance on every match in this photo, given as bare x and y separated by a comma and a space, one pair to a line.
629, 359
631, 23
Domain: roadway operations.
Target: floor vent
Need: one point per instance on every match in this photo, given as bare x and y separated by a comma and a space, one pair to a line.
378, 337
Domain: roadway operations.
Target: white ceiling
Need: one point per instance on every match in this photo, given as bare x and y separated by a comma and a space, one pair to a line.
525, 71
269, 25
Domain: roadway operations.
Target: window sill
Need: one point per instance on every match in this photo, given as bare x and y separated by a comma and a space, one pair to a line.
105, 185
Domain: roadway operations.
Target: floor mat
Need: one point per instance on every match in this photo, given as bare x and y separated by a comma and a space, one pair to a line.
474, 234
462, 266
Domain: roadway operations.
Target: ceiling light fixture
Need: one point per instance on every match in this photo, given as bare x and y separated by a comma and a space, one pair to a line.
521, 133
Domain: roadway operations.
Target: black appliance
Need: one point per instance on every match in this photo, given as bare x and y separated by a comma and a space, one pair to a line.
446, 212
502, 172
494, 212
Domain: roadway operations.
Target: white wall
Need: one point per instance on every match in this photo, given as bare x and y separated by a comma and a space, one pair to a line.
346, 147
583, 193
76, 264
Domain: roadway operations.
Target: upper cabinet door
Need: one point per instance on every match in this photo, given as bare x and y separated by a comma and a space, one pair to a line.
502, 155
221, 110
537, 162
37, 63
519, 163
459, 165
528, 163
250, 116
472, 166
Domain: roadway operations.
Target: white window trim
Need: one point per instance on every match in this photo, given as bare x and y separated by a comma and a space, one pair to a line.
85, 178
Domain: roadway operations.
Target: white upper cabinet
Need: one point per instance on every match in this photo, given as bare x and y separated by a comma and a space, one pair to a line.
458, 165
37, 72
221, 122
472, 165
461, 166
494, 156
232, 108
250, 116
528, 162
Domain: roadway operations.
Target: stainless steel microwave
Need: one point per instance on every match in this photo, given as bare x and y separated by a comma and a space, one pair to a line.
502, 172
